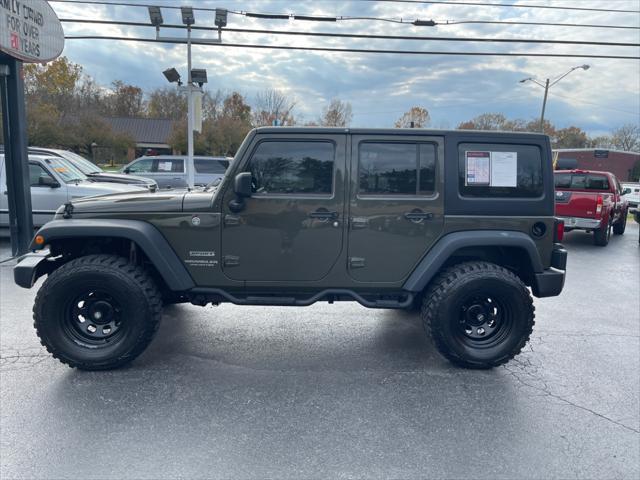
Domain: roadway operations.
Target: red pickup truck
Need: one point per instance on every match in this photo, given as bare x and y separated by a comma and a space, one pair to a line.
591, 201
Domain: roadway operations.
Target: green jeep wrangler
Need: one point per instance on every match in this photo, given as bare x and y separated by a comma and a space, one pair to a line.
457, 224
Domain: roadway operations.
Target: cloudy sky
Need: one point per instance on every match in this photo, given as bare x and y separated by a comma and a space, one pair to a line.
381, 87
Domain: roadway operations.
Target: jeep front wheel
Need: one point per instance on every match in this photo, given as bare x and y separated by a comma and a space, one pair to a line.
480, 315
97, 312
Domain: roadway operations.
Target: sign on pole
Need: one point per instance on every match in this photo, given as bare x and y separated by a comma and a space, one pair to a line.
30, 30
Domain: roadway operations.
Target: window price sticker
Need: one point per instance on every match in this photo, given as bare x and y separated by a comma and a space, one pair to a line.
492, 169
477, 168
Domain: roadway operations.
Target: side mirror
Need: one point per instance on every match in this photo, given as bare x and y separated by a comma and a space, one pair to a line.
242, 185
48, 182
126, 170
242, 189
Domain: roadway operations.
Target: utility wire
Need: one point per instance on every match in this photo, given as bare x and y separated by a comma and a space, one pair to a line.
349, 50
509, 5
352, 35
291, 16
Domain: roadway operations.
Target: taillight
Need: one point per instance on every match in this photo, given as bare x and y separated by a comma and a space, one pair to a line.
558, 231
599, 202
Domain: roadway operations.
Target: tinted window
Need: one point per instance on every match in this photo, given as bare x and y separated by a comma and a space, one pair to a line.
143, 165
210, 166
581, 181
396, 168
292, 167
35, 173
526, 174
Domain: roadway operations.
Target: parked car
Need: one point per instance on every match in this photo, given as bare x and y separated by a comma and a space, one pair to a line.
631, 191
54, 181
93, 172
591, 201
169, 170
302, 218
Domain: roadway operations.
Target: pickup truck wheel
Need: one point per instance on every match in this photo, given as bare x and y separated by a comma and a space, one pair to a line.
480, 315
621, 226
601, 236
97, 312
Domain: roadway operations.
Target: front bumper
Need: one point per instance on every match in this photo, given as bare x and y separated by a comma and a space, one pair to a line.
581, 223
550, 282
32, 266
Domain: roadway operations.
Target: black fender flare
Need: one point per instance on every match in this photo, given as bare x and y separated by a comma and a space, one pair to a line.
143, 234
450, 243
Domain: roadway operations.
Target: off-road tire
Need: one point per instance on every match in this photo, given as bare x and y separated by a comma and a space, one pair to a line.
601, 236
443, 314
134, 300
621, 226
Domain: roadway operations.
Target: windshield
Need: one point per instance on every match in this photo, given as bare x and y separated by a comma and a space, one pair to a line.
66, 170
81, 163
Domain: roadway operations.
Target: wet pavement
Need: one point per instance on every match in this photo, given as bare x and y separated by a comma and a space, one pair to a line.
337, 391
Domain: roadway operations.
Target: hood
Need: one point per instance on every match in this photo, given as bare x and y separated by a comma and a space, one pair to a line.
139, 201
120, 178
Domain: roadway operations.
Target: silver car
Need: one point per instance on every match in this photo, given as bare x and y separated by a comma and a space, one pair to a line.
54, 181
169, 170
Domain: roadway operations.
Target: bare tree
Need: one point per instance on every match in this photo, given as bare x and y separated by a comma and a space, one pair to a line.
273, 107
417, 117
167, 103
336, 114
627, 137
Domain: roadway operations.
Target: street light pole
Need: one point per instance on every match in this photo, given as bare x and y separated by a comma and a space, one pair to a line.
544, 105
547, 85
189, 165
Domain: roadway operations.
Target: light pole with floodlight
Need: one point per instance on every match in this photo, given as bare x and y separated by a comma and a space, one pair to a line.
547, 85
194, 76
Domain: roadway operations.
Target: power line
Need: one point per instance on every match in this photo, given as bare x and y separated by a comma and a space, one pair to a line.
510, 5
546, 24
304, 17
349, 50
354, 35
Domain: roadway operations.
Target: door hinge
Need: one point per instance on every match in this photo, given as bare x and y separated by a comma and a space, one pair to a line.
356, 262
231, 261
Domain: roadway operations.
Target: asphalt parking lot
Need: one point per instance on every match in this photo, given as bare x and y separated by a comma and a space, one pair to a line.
337, 391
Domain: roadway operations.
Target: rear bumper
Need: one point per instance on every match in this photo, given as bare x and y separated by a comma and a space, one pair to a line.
581, 223
550, 282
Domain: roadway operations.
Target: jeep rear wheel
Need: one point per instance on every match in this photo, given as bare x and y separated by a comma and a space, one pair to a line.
480, 315
97, 312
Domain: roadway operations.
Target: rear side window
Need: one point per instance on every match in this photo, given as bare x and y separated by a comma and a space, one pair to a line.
173, 165
581, 181
280, 167
499, 170
204, 165
396, 168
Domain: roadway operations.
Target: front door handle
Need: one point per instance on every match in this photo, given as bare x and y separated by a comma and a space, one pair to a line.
324, 214
418, 216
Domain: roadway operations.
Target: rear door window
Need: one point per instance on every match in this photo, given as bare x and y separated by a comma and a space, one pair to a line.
169, 165
205, 165
394, 168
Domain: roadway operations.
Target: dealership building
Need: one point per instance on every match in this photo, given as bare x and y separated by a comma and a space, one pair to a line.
618, 162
